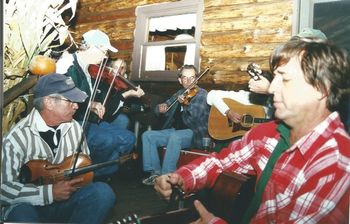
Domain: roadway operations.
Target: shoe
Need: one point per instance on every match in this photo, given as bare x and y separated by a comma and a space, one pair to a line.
150, 180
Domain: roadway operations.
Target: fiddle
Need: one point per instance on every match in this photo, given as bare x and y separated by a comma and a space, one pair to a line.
42, 172
118, 81
187, 96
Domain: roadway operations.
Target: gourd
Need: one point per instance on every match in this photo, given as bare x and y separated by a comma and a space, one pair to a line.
42, 65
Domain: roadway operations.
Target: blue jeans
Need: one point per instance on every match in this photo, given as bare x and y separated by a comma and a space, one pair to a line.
90, 204
106, 142
121, 121
174, 140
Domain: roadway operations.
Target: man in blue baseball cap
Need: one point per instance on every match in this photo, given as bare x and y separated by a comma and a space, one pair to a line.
50, 133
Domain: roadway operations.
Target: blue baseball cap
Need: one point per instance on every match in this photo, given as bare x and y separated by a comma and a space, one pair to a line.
56, 83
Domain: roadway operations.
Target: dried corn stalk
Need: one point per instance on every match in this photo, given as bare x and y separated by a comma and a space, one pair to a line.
31, 27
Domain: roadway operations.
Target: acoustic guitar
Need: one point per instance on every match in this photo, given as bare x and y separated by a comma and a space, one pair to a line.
228, 199
222, 128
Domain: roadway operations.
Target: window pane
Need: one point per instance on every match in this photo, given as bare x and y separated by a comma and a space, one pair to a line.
161, 58
333, 18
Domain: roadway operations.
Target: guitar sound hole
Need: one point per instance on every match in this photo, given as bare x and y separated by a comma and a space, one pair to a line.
247, 120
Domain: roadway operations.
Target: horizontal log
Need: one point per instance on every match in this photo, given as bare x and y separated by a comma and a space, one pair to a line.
254, 36
85, 16
238, 50
19, 89
247, 10
113, 33
211, 3
277, 22
239, 64
123, 44
107, 5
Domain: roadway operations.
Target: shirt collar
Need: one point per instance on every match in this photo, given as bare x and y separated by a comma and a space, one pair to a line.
324, 129
40, 124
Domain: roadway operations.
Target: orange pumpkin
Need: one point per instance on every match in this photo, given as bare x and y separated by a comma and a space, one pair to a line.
42, 65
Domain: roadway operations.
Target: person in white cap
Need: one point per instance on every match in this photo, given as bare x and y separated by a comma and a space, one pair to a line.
50, 133
106, 140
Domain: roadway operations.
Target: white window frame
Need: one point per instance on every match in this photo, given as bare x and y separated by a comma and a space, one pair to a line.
141, 42
340, 34
306, 13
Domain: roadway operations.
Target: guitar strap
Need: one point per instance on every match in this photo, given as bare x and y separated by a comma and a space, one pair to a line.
282, 146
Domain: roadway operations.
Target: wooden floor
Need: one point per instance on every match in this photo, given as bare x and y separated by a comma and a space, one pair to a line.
132, 196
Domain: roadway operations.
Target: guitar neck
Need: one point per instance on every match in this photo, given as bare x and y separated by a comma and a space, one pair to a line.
261, 120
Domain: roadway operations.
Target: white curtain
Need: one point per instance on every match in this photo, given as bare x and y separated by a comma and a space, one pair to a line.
182, 22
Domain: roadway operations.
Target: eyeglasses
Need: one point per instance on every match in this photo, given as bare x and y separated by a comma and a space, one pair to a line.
191, 78
58, 98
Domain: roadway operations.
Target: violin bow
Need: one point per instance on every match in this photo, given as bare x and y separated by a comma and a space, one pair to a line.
87, 113
115, 74
188, 88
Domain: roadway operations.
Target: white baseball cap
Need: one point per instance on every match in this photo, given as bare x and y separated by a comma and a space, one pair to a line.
99, 39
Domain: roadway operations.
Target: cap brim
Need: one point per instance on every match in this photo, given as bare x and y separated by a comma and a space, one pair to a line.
75, 95
113, 49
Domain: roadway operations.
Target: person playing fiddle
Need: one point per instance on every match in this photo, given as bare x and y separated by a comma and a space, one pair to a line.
186, 125
125, 90
50, 133
106, 140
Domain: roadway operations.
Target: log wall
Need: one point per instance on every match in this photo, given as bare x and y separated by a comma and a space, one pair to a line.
234, 33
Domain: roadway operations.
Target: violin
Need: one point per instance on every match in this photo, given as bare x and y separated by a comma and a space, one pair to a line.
187, 96
42, 172
108, 75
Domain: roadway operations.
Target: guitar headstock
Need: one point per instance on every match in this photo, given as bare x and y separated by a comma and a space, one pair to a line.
254, 71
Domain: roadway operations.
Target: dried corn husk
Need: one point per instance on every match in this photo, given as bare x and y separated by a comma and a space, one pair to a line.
31, 27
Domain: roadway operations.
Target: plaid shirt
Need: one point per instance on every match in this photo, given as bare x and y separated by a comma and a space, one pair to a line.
309, 183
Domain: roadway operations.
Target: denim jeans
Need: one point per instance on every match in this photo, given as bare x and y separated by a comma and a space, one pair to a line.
90, 204
121, 121
174, 140
106, 142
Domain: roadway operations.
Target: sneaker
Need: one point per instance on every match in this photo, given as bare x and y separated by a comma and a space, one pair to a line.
150, 180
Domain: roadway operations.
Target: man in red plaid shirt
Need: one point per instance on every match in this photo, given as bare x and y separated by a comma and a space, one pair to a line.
310, 177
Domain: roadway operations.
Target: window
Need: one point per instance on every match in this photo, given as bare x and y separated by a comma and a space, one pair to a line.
167, 36
330, 16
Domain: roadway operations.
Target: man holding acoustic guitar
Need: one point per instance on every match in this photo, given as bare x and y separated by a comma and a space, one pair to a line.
50, 134
302, 159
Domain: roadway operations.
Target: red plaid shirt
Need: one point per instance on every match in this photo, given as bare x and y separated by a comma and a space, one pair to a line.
309, 183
